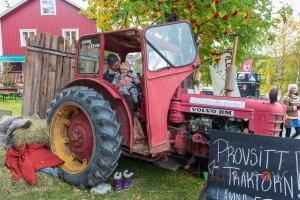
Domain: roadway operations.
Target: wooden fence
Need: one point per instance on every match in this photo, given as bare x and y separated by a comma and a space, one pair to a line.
49, 66
13, 77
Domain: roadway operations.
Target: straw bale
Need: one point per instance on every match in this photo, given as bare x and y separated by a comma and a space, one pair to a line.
37, 133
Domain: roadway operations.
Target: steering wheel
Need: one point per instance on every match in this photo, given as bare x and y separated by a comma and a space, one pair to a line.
137, 86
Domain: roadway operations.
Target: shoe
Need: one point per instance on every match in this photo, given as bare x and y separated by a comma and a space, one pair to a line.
102, 188
118, 181
127, 183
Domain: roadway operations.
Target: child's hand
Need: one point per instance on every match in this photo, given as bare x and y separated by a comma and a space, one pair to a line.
128, 80
125, 81
122, 82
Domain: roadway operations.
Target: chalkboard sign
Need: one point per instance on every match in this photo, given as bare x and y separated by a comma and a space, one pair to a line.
246, 167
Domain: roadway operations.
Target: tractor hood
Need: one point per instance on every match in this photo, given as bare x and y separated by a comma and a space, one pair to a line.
229, 103
263, 117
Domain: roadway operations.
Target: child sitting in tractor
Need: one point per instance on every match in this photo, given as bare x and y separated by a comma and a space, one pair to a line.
130, 88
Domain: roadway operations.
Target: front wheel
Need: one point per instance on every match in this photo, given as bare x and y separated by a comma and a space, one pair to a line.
84, 133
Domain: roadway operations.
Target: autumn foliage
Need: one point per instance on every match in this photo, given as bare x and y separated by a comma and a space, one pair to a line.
213, 22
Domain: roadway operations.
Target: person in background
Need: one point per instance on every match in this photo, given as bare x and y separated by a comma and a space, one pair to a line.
114, 70
129, 88
292, 102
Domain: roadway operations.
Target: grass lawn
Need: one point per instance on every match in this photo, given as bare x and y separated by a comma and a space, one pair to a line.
149, 181
14, 105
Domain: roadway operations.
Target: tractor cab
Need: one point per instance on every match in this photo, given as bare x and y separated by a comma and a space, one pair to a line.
167, 55
90, 121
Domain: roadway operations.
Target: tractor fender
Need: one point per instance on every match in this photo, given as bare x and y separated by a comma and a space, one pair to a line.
118, 103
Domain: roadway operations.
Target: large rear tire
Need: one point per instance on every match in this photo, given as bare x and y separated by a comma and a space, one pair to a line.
84, 133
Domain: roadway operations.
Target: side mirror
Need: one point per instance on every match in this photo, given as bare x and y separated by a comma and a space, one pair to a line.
274, 95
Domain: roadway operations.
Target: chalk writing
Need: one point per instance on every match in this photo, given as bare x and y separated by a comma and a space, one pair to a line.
253, 167
90, 44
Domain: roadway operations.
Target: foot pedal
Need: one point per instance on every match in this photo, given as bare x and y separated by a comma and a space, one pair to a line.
169, 164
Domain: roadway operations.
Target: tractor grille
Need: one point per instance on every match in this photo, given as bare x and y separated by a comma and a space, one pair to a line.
278, 122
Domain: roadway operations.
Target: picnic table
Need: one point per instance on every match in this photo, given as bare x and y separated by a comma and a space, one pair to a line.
11, 92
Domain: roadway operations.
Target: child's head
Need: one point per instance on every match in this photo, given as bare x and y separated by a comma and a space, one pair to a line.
124, 68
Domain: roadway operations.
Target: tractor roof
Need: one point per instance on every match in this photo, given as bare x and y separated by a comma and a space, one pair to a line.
123, 41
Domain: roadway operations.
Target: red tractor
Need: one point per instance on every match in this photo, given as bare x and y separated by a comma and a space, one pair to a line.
91, 124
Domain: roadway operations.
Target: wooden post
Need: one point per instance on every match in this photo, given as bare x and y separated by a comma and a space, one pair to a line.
231, 71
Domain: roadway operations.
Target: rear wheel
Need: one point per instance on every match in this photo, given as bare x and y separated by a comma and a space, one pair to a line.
85, 134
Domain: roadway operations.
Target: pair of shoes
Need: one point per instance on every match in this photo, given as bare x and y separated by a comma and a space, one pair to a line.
125, 183
102, 188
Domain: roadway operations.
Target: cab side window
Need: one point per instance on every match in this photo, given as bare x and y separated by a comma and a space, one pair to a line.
89, 56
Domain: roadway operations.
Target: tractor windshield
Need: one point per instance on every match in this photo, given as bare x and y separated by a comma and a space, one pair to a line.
170, 45
88, 58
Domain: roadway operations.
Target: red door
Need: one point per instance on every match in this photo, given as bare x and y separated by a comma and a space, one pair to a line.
169, 56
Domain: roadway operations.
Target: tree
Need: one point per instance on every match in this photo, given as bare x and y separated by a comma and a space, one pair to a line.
283, 62
214, 22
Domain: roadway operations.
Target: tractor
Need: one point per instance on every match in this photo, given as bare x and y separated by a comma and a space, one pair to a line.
91, 124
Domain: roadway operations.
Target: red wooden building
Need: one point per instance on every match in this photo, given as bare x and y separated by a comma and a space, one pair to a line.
27, 17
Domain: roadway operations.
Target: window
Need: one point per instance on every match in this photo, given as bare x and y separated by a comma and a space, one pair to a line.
15, 67
170, 45
88, 59
71, 35
24, 34
48, 7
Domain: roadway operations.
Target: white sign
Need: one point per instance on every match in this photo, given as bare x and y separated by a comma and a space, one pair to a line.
212, 111
218, 76
217, 102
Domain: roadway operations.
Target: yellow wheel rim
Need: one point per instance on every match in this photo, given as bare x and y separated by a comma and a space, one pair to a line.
71, 137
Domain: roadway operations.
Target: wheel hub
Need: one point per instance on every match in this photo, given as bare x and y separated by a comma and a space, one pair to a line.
80, 135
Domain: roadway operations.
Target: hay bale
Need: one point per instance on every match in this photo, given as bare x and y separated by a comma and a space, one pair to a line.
2, 158
5, 113
37, 133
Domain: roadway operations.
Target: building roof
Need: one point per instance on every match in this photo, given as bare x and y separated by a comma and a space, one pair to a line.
24, 1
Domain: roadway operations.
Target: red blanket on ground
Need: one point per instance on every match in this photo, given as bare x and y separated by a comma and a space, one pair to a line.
25, 160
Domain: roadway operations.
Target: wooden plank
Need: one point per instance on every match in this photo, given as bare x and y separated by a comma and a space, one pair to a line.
44, 78
51, 88
66, 66
29, 74
65, 72
26, 85
51, 51
59, 63
73, 63
35, 98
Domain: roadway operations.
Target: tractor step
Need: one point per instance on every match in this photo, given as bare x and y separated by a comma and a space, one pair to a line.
125, 152
141, 148
169, 164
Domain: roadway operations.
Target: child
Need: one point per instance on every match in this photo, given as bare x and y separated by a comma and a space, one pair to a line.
129, 88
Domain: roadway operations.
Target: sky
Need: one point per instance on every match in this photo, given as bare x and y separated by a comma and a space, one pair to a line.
276, 3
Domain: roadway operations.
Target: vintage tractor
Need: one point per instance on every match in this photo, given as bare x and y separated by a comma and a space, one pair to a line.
91, 124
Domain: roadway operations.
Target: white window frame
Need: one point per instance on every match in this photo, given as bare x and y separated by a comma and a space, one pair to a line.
42, 11
70, 30
23, 43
